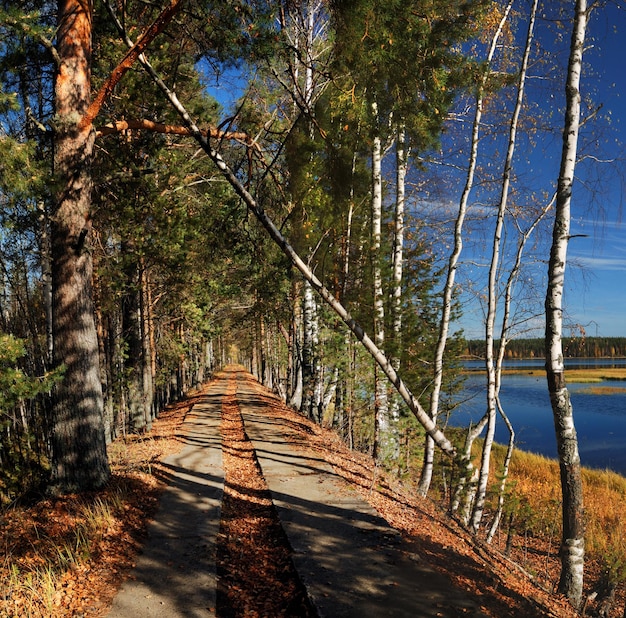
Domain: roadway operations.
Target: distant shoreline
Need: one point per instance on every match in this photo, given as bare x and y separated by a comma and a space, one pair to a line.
591, 375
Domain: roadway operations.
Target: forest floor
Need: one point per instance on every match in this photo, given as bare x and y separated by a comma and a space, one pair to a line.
68, 556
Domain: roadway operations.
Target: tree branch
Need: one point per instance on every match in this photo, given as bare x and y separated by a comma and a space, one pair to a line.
129, 59
156, 127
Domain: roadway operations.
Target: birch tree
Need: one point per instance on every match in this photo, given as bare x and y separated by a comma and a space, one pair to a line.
411, 75
453, 262
385, 443
300, 71
493, 365
397, 259
572, 541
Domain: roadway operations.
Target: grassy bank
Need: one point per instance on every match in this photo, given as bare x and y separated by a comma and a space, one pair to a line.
579, 376
531, 527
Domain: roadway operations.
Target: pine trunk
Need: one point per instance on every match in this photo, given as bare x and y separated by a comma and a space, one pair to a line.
79, 459
147, 380
133, 366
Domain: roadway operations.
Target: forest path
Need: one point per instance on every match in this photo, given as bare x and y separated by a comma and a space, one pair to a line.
350, 560
175, 572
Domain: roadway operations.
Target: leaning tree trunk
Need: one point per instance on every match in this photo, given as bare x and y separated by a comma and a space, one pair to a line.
79, 460
275, 234
572, 542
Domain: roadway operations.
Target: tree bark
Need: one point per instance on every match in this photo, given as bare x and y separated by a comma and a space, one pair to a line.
79, 459
383, 432
397, 276
572, 542
133, 365
311, 371
296, 382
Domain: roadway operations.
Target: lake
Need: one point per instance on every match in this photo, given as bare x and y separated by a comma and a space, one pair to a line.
600, 419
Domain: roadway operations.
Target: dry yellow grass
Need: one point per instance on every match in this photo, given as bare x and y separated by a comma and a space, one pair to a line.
535, 482
599, 374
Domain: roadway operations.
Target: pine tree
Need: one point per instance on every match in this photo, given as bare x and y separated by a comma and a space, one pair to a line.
78, 443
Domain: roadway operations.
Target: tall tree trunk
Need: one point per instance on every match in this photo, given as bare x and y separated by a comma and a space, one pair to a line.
311, 370
493, 366
397, 278
46, 278
453, 261
133, 364
104, 330
572, 543
79, 459
146, 347
383, 440
295, 399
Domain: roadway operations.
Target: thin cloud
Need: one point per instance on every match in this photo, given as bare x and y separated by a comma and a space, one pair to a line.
613, 263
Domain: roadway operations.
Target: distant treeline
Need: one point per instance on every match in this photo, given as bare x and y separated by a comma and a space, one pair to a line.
574, 347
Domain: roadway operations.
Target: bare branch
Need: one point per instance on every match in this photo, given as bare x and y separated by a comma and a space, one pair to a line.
156, 127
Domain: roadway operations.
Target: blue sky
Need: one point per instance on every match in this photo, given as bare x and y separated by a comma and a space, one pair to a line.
595, 295
599, 297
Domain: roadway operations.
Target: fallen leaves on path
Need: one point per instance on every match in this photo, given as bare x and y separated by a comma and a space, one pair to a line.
500, 587
66, 556
256, 575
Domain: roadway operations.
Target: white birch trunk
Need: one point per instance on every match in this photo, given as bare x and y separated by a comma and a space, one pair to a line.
505, 474
462, 491
448, 291
397, 276
572, 543
493, 367
330, 390
383, 443
508, 297
311, 374
295, 398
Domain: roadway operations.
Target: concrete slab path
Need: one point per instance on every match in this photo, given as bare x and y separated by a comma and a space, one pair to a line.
175, 575
352, 563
